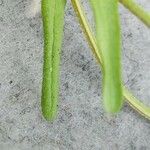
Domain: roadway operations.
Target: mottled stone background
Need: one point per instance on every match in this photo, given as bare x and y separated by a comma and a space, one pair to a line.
81, 123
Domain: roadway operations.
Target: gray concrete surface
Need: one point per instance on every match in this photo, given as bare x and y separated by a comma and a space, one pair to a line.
81, 123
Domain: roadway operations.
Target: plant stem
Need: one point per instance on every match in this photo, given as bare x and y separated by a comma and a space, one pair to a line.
137, 11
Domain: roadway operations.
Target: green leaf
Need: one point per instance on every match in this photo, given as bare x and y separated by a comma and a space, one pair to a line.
53, 21
108, 39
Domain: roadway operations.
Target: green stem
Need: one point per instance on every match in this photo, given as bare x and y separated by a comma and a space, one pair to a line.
144, 110
137, 11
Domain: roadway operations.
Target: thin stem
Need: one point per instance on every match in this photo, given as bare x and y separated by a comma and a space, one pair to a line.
137, 10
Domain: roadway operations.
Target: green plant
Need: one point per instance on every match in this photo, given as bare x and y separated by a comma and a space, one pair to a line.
52, 14
137, 11
132, 101
108, 39
53, 20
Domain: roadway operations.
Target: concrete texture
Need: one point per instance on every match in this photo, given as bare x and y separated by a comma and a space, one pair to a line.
81, 123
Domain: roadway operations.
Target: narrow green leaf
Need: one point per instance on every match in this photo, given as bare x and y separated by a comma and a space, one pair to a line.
108, 39
53, 21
